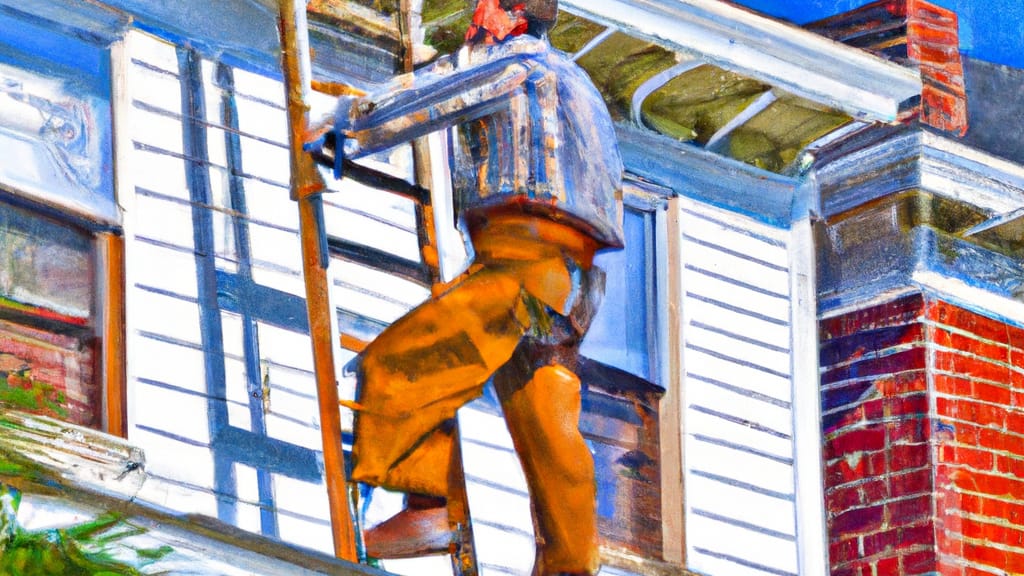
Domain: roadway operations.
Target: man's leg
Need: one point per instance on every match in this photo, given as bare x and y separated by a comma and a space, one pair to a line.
420, 370
543, 418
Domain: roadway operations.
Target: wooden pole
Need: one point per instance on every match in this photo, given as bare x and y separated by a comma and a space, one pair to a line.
306, 186
115, 410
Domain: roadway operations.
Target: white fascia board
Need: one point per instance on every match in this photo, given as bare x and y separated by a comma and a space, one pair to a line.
796, 60
861, 170
959, 171
105, 23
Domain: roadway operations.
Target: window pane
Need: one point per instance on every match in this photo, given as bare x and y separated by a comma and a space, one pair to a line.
622, 332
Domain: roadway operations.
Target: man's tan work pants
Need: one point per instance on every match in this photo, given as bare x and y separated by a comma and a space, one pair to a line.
530, 301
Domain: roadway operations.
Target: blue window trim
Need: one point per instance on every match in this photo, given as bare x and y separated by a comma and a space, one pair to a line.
236, 292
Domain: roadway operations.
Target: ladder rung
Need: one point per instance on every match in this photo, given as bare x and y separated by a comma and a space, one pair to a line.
374, 178
379, 260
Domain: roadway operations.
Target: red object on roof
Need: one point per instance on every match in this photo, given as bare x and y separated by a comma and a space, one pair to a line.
493, 24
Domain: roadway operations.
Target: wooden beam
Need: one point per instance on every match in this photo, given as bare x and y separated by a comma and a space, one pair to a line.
112, 333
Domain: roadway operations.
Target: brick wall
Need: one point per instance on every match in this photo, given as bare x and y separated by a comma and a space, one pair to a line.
923, 409
978, 374
878, 464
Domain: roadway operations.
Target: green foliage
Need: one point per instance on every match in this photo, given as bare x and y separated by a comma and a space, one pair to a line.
22, 392
78, 550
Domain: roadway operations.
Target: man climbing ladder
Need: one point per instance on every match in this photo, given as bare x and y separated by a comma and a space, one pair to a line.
537, 179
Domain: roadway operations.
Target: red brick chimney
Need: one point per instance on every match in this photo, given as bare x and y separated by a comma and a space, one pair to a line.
917, 34
923, 403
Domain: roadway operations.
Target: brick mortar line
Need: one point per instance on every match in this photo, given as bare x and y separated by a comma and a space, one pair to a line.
975, 400
863, 481
926, 517
980, 448
964, 332
961, 562
886, 553
861, 401
995, 521
924, 444
841, 383
933, 347
960, 376
861, 424
989, 544
1016, 435
995, 474
876, 354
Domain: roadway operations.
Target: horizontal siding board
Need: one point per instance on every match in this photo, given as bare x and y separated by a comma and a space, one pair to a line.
729, 371
354, 196
303, 434
169, 269
287, 281
155, 89
260, 120
216, 148
706, 424
155, 53
301, 498
168, 410
373, 232
164, 221
236, 385
706, 563
708, 309
771, 552
170, 495
508, 507
503, 466
759, 471
740, 405
302, 532
269, 204
167, 316
775, 307
398, 289
274, 247
755, 352
176, 365
743, 237
285, 347
167, 455
363, 304
266, 161
239, 416
506, 553
162, 131
747, 268
260, 87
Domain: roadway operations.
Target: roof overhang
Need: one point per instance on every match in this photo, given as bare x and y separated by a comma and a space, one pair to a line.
801, 62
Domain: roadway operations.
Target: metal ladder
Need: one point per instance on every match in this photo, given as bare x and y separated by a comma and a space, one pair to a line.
306, 185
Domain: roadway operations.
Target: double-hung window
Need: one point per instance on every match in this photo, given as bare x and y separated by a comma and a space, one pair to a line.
223, 397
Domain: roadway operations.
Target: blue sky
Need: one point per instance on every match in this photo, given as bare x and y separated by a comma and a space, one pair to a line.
990, 30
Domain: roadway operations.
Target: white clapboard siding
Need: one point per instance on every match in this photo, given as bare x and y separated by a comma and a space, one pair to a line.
498, 499
737, 420
170, 395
